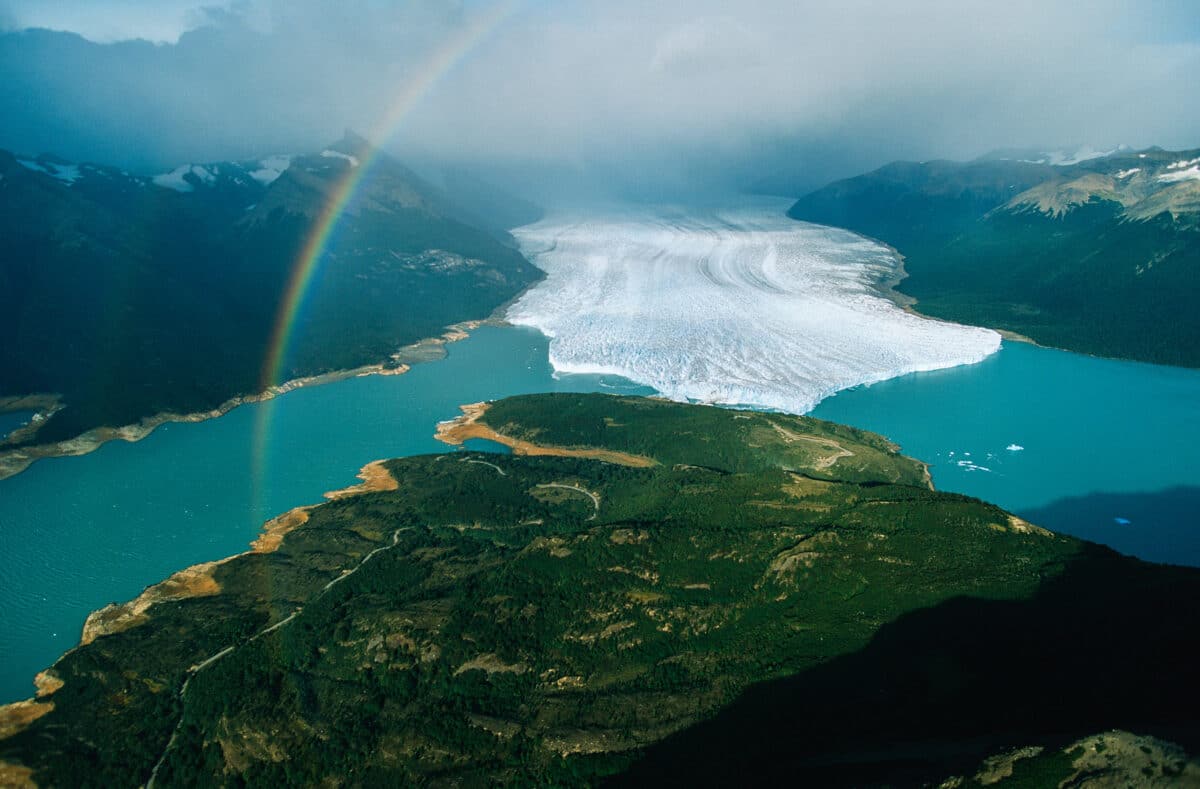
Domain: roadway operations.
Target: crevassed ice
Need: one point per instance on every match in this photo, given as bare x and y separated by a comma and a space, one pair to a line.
739, 307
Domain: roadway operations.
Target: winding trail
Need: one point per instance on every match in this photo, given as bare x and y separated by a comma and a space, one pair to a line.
499, 470
839, 451
594, 497
213, 659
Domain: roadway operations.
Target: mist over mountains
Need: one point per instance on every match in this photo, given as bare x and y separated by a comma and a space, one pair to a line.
571, 99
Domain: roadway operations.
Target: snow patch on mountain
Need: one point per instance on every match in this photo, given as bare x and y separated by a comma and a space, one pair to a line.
1190, 174
67, 173
270, 168
1065, 158
175, 179
331, 154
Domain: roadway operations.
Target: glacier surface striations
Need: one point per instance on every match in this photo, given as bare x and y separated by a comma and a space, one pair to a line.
738, 307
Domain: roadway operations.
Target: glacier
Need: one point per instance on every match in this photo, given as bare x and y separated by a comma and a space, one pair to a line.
740, 306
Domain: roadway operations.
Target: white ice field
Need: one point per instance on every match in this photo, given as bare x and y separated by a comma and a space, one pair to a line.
740, 307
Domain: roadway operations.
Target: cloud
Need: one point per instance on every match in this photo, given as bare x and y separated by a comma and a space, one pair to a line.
113, 20
618, 89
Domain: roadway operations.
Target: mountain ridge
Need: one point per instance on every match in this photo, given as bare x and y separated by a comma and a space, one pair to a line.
149, 298
1099, 256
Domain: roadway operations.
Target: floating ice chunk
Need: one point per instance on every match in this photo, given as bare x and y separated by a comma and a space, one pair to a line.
1015, 448
741, 307
1122, 521
328, 154
969, 466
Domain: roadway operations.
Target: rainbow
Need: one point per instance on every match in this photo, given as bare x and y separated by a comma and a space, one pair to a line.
451, 52
441, 62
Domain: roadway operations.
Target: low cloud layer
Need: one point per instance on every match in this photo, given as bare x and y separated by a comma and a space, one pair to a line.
637, 92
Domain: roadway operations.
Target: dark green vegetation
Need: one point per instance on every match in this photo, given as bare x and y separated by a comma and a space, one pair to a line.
1101, 257
130, 299
778, 596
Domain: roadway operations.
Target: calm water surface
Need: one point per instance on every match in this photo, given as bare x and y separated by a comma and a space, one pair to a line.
11, 420
1102, 449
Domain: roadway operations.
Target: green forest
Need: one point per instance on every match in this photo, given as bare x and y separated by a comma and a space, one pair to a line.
777, 604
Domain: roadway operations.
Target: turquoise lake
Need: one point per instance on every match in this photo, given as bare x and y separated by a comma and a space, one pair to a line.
11, 420
78, 533
1102, 440
1109, 450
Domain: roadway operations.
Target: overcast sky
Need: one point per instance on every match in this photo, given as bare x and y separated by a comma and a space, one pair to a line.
717, 92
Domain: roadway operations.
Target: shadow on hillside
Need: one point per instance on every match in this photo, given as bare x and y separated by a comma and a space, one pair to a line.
1112, 642
1163, 526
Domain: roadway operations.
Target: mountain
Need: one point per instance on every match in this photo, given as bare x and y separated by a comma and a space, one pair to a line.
1101, 255
646, 592
127, 296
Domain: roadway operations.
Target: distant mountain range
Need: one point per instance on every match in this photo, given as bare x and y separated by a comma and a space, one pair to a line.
1093, 252
130, 295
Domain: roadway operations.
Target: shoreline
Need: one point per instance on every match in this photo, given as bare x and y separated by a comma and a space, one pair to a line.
194, 581
454, 432
888, 289
14, 461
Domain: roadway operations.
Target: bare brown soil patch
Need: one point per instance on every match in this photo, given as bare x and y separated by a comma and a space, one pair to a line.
839, 451
469, 426
16, 776
16, 716
195, 581
47, 682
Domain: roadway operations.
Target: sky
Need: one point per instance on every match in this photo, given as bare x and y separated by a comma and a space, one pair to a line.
653, 97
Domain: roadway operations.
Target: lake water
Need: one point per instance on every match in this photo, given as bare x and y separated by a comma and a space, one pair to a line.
11, 420
1101, 441
1101, 449
78, 533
